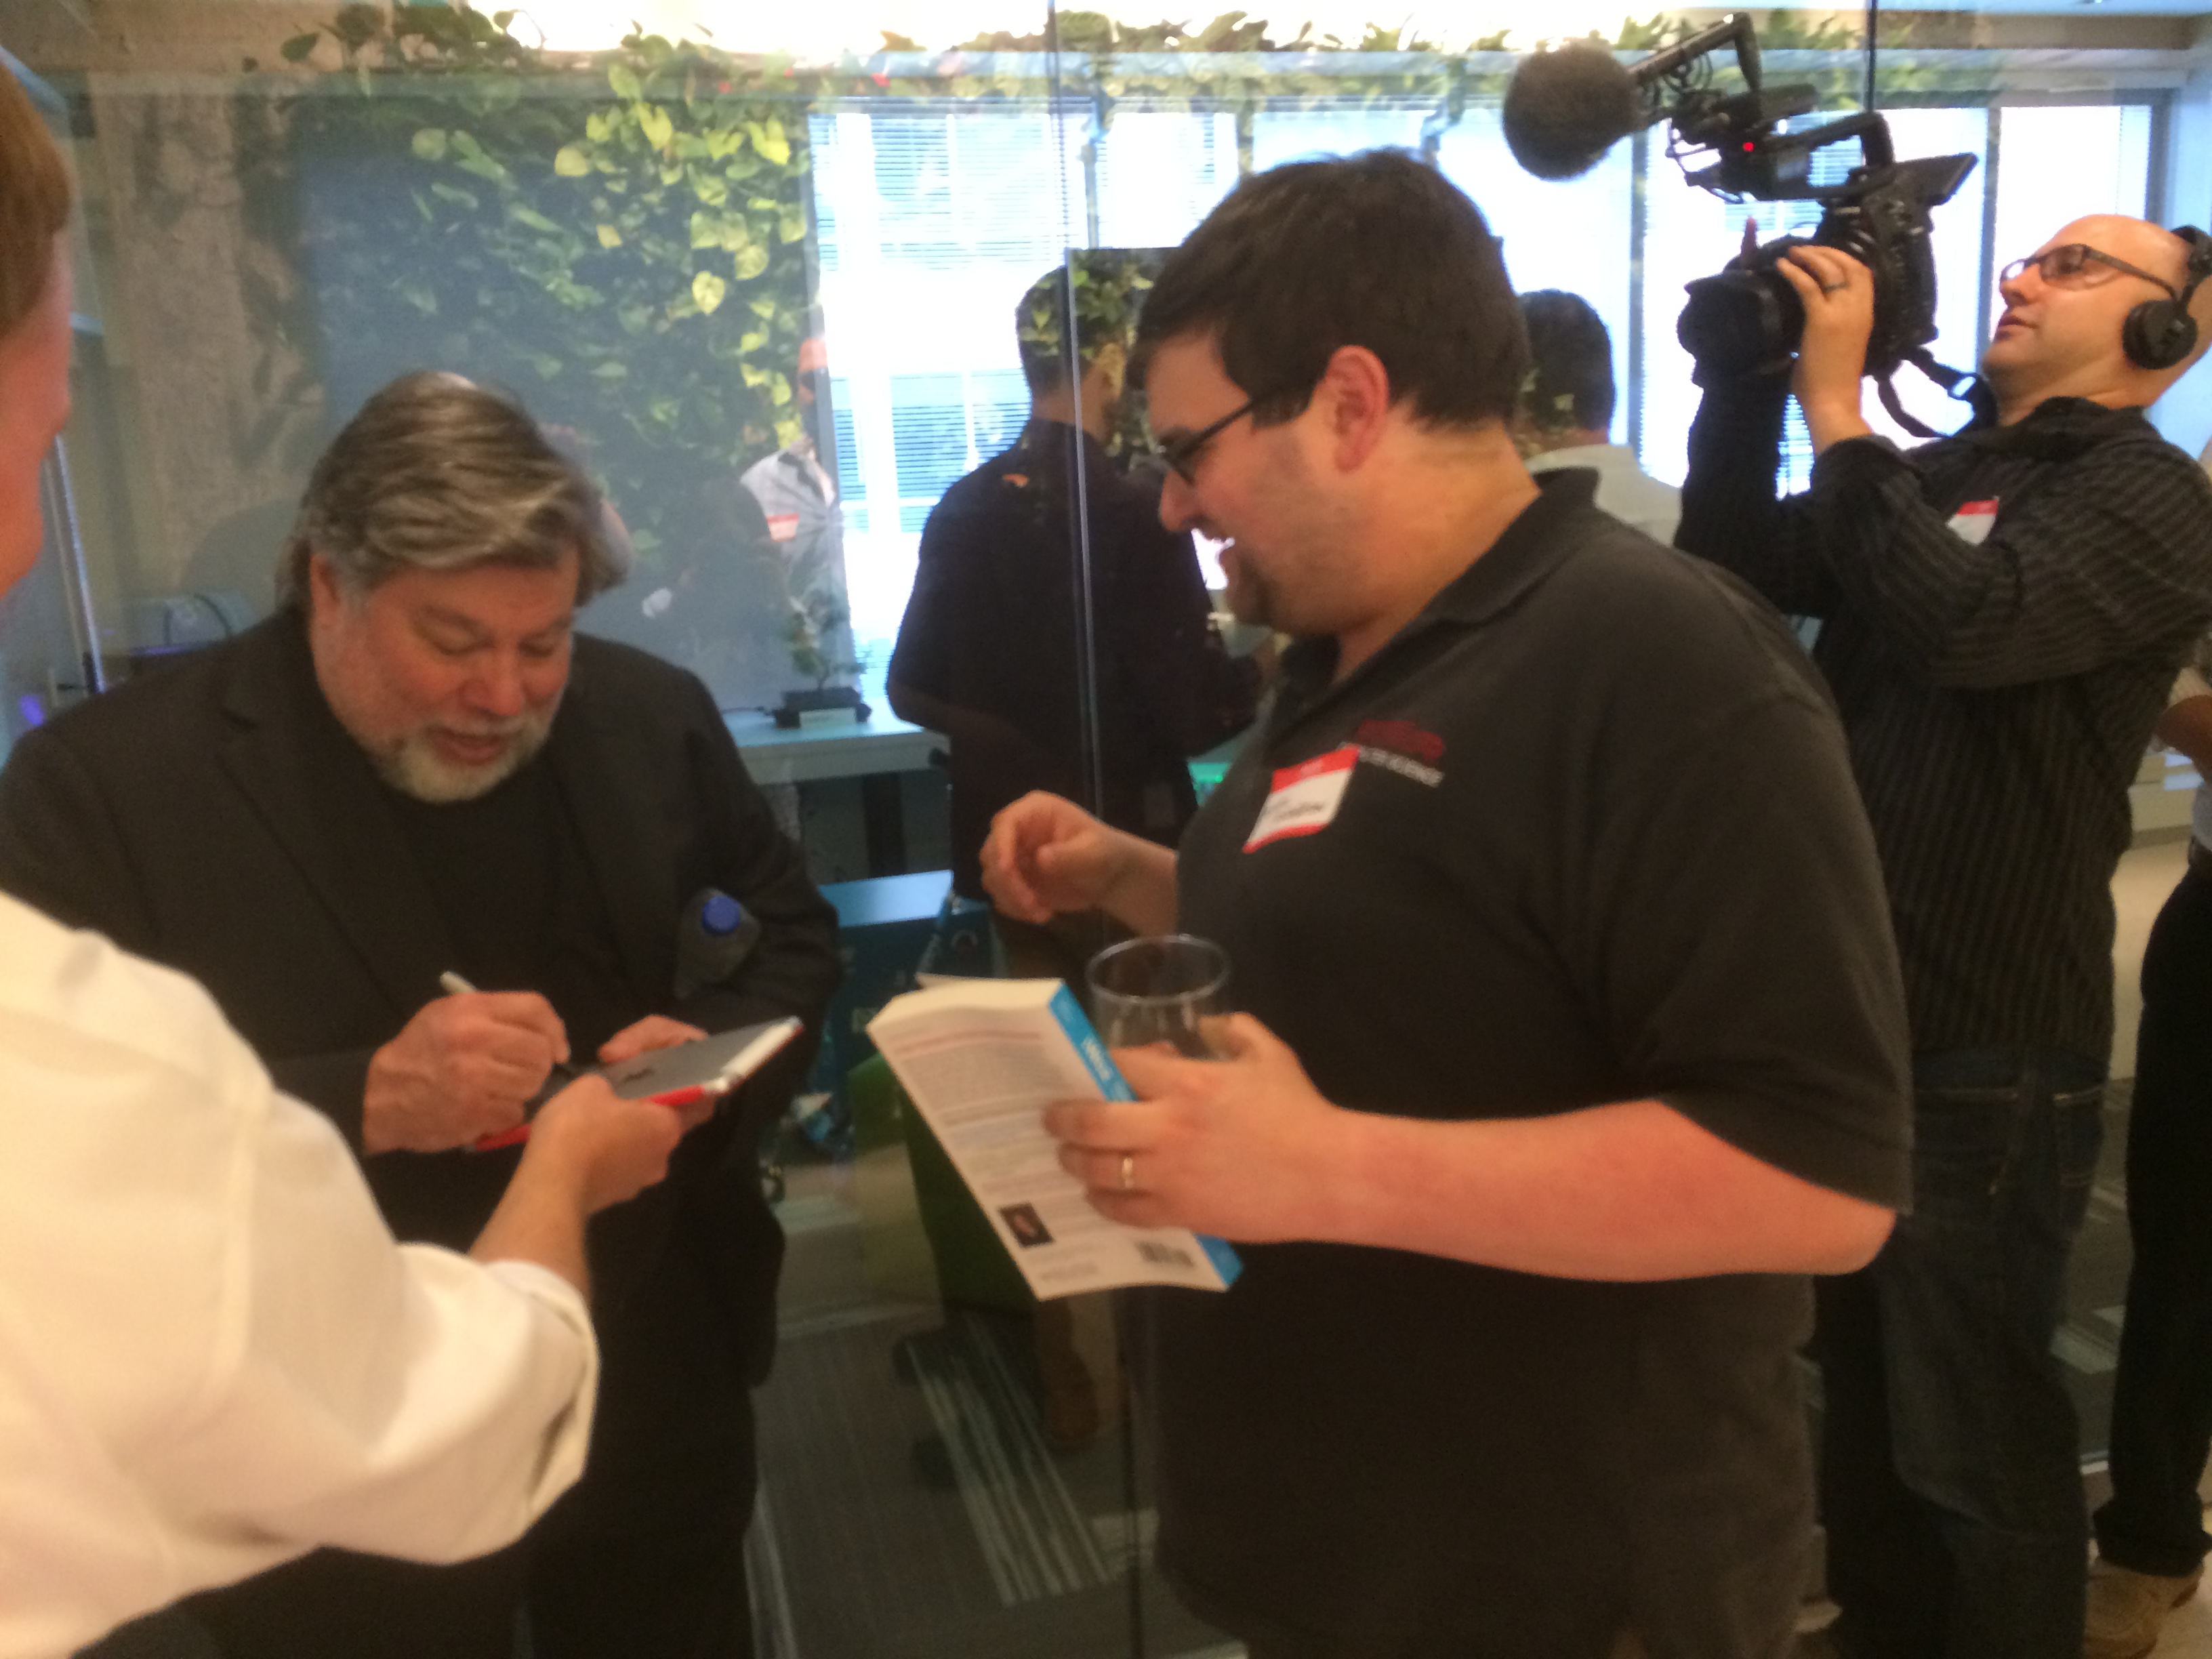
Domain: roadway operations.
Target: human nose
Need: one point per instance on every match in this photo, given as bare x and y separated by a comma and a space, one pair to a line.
498, 688
1179, 503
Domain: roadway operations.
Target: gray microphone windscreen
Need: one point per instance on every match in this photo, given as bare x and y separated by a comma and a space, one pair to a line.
1565, 108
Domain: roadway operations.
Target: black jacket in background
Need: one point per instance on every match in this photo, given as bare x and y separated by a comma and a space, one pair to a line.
992, 633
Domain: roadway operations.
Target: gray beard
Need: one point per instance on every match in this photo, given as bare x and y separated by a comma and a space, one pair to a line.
414, 769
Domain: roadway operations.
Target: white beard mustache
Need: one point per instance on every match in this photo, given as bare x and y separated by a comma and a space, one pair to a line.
414, 767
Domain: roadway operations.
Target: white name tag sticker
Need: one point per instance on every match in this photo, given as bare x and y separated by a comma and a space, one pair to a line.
1304, 797
1971, 523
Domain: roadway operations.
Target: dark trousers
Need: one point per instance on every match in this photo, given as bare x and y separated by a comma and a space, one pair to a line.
643, 1558
2162, 1394
1950, 1480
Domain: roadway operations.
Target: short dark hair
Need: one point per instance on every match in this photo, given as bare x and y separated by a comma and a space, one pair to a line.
437, 473
35, 203
1376, 250
1106, 283
1572, 383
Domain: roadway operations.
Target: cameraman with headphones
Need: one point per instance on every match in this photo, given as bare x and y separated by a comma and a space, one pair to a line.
2002, 612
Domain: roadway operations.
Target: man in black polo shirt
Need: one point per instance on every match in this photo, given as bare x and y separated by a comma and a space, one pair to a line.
2002, 613
1571, 1034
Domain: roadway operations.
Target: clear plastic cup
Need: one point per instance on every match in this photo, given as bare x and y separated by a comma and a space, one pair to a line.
1162, 988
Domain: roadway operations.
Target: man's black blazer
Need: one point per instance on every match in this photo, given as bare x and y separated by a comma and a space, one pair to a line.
216, 816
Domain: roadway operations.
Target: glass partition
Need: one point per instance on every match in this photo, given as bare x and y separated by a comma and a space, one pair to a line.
770, 280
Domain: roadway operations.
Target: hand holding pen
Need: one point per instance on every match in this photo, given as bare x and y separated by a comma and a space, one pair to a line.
467, 1066
653, 1031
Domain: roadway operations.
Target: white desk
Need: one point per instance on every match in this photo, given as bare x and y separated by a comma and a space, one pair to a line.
812, 754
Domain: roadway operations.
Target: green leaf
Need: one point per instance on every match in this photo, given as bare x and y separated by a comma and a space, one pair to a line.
530, 217
624, 79
652, 121
754, 341
570, 163
779, 391
429, 143
612, 369
753, 377
609, 237
296, 49
750, 262
707, 289
453, 193
483, 166
597, 126
768, 139
763, 307
791, 224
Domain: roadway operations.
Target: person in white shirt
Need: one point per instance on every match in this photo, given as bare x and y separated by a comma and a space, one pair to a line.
180, 1407
1566, 410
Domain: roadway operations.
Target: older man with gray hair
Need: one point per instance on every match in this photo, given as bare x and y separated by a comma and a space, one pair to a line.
415, 775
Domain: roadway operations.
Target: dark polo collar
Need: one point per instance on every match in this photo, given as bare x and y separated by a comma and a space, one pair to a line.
1527, 551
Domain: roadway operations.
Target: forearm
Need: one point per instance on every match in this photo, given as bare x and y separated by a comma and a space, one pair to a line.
1631, 1191
1831, 420
540, 1219
1730, 512
1142, 896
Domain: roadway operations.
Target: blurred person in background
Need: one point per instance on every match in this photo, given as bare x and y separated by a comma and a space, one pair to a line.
1566, 411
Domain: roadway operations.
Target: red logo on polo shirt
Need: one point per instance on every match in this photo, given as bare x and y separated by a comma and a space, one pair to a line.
1402, 738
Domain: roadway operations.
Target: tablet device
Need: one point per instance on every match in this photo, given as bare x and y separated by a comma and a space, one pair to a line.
679, 1075
707, 1066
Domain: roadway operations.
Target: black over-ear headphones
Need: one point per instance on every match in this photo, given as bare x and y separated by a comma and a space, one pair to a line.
2159, 333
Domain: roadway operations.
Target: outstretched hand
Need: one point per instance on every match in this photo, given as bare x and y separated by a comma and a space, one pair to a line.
1046, 856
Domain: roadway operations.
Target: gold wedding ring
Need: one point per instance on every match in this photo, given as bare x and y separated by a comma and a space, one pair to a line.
1128, 1178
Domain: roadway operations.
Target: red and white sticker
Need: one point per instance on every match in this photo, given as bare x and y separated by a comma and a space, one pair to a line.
1304, 797
783, 526
1971, 522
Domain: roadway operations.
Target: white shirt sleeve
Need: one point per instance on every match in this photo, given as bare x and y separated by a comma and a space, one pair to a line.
213, 1356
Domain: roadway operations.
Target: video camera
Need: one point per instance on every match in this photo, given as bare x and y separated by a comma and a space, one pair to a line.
1567, 107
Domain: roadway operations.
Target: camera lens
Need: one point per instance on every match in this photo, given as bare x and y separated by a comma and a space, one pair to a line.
1740, 320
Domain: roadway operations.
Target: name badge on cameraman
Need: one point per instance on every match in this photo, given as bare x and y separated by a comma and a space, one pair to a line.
1304, 799
1971, 523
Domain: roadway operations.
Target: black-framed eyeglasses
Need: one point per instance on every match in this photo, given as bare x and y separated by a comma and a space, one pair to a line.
1181, 454
2074, 265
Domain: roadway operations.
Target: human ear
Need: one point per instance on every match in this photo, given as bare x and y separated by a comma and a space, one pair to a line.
1354, 393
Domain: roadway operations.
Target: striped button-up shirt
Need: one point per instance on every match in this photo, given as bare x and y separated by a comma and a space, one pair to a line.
2002, 614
